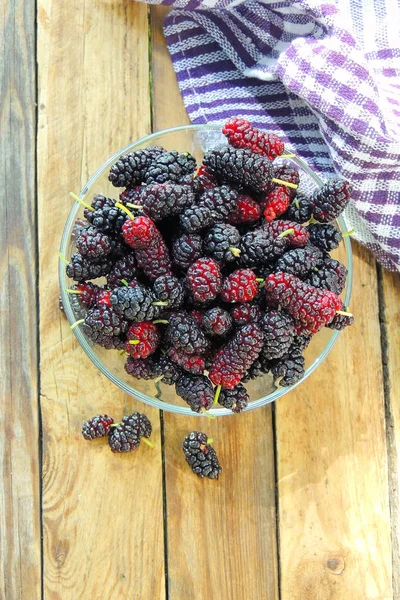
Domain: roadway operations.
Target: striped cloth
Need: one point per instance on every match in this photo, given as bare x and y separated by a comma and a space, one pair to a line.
323, 75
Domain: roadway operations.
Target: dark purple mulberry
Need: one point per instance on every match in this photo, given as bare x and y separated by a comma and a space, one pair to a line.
217, 321
169, 371
260, 367
127, 436
326, 237
105, 216
288, 369
300, 261
200, 456
163, 200
168, 288
196, 217
300, 209
331, 200
131, 169
93, 244
241, 168
170, 167
221, 201
196, 390
279, 332
134, 303
80, 268
186, 250
123, 268
236, 399
141, 368
104, 321
259, 246
222, 242
183, 333
288, 173
330, 276
339, 322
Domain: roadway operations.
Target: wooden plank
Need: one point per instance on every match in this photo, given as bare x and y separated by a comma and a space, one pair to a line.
103, 521
391, 339
19, 430
221, 534
332, 467
171, 112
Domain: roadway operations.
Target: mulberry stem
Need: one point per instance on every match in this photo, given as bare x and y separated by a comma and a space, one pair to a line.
287, 183
290, 155
124, 282
344, 313
164, 321
134, 342
62, 257
347, 233
80, 201
160, 303
210, 441
287, 232
77, 323
139, 206
148, 442
157, 379
73, 291
217, 393
235, 251
125, 210
312, 221
296, 203
206, 414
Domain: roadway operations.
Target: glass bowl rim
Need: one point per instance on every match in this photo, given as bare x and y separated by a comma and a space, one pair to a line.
104, 369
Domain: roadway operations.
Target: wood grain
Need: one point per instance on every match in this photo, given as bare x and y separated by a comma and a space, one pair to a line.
19, 431
102, 513
221, 534
332, 469
391, 339
171, 112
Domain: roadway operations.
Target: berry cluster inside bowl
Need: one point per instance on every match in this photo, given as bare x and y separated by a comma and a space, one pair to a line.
207, 276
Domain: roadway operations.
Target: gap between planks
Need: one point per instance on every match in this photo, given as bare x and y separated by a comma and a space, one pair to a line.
20, 478
386, 294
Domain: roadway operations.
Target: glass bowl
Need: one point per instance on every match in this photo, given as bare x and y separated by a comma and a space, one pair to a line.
196, 139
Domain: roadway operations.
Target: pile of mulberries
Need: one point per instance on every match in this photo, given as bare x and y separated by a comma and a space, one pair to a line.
122, 437
208, 276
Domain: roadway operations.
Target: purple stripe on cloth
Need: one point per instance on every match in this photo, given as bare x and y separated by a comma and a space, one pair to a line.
175, 38
242, 51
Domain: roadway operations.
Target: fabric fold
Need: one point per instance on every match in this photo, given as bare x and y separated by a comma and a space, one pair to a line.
323, 75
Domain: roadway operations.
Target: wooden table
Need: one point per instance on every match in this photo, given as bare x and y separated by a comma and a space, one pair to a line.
308, 504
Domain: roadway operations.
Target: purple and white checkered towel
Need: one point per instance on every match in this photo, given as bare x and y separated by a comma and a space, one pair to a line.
323, 75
